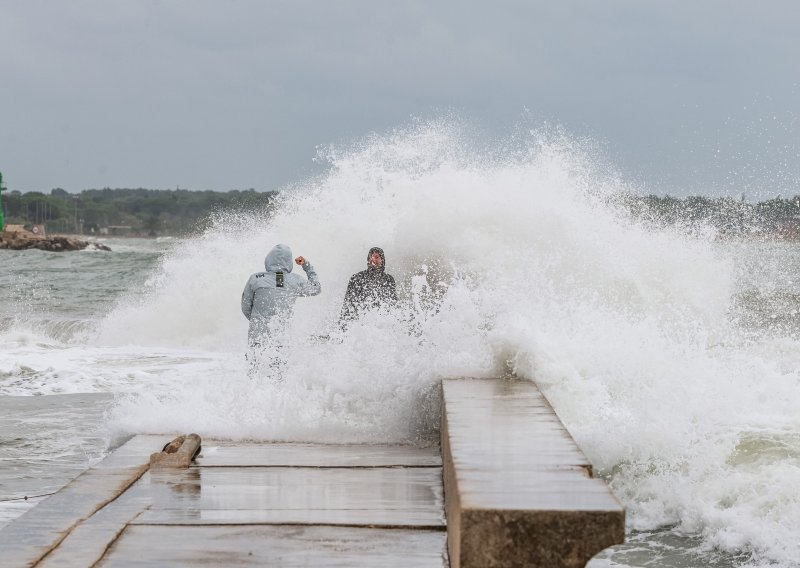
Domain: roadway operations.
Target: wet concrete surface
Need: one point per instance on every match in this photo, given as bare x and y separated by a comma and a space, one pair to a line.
516, 489
284, 546
286, 495
519, 489
243, 504
27, 539
225, 453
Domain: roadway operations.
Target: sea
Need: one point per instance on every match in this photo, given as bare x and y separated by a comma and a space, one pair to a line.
671, 354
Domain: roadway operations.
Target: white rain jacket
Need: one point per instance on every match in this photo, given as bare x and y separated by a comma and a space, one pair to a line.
264, 299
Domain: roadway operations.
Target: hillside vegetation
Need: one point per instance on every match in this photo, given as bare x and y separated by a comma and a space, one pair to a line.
137, 212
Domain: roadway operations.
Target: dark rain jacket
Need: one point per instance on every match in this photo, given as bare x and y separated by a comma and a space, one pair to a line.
263, 298
368, 289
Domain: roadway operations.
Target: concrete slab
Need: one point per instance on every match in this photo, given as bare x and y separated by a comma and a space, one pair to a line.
276, 546
518, 490
132, 452
505, 423
409, 497
219, 453
256, 514
30, 537
88, 541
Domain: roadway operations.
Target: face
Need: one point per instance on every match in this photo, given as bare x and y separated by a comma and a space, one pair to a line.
375, 259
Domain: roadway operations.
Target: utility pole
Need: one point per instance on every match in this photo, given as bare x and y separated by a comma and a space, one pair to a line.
2, 189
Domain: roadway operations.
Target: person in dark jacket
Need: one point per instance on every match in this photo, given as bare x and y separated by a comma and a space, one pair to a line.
369, 289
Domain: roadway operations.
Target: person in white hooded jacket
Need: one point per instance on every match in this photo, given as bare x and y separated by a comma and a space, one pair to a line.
268, 297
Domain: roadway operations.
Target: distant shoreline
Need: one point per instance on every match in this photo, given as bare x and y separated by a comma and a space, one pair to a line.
96, 236
24, 240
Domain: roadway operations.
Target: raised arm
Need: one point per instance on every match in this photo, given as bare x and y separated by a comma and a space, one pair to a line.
312, 287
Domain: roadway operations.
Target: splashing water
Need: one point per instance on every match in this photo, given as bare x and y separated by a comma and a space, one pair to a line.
507, 261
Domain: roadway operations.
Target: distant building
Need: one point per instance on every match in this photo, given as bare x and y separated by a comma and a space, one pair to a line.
117, 230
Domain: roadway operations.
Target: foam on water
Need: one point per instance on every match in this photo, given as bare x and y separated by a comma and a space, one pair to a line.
508, 263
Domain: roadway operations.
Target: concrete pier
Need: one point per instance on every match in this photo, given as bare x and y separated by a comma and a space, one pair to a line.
242, 504
519, 491
509, 488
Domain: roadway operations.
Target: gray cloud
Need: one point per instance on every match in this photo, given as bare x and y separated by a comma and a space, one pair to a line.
690, 98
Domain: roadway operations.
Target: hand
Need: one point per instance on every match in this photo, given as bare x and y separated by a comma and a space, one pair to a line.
300, 260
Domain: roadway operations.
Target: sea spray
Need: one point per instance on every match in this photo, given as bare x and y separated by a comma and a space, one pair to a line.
508, 263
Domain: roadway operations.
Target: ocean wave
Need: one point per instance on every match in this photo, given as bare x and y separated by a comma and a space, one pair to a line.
508, 260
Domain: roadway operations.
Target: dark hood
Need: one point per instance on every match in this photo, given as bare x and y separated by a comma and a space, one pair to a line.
383, 258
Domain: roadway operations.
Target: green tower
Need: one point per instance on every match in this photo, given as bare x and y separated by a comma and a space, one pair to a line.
2, 189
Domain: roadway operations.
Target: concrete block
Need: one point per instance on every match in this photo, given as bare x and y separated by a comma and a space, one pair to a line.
178, 453
518, 490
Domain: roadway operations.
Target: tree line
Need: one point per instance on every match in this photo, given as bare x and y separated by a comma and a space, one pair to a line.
151, 212
778, 217
136, 212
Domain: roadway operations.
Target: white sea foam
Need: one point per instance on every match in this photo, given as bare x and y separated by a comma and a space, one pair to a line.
512, 263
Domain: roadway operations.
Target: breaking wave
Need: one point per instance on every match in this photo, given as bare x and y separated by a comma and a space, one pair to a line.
509, 260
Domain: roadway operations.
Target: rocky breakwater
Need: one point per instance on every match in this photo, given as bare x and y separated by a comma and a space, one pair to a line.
23, 240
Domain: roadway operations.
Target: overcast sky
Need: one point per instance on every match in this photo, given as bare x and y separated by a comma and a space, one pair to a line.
690, 97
